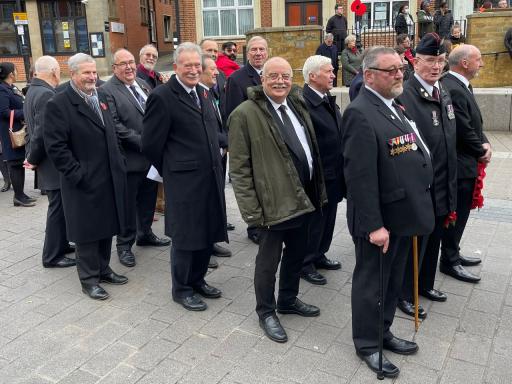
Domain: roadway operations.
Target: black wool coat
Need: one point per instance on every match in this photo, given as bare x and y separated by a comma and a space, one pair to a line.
236, 87
87, 154
182, 142
436, 123
384, 190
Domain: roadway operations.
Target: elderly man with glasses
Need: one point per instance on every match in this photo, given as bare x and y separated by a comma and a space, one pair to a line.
388, 174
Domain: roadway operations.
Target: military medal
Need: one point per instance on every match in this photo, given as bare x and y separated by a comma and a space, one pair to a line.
414, 147
435, 119
451, 114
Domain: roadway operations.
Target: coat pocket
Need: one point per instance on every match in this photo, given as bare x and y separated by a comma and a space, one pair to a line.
389, 197
181, 166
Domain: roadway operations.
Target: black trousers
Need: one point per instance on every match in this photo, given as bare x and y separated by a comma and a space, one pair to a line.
320, 231
17, 174
92, 260
365, 290
55, 239
140, 208
408, 285
450, 240
267, 262
188, 269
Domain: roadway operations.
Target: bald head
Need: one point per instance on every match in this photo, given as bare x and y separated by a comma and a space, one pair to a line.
47, 69
466, 60
276, 79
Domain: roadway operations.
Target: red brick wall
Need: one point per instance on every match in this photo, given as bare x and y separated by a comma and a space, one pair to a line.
135, 34
162, 9
188, 21
266, 13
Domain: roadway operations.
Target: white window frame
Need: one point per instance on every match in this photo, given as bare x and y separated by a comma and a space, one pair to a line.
218, 8
390, 14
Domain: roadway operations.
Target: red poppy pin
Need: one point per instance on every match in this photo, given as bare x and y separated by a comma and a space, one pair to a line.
358, 8
103, 106
205, 94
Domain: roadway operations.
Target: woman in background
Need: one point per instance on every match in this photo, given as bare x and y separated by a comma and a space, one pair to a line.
425, 19
351, 59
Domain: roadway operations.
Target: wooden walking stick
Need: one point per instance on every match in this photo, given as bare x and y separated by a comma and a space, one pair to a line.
415, 281
380, 373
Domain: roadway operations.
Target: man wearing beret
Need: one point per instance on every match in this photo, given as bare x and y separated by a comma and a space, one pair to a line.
430, 106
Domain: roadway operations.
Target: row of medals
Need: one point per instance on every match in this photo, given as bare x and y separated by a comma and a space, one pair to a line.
402, 144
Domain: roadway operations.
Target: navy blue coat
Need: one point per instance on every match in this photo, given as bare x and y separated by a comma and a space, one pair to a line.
10, 99
330, 52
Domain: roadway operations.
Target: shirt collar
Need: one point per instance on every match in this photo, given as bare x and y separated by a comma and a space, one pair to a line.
187, 89
320, 94
258, 71
461, 78
276, 105
429, 88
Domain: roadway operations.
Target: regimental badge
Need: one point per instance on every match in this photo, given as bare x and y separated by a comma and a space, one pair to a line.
435, 118
449, 110
401, 144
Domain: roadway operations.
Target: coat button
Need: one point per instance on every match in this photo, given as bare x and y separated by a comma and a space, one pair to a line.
425, 165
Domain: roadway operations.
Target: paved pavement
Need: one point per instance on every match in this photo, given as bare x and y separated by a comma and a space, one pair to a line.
52, 333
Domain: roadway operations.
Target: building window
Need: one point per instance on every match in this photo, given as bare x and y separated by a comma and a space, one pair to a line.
167, 28
63, 27
8, 40
112, 9
144, 12
381, 14
227, 17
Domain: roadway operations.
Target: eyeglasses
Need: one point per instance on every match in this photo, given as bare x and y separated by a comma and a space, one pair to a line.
151, 55
432, 62
275, 76
391, 71
125, 63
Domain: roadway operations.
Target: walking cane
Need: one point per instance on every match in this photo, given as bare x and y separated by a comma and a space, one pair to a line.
380, 373
415, 281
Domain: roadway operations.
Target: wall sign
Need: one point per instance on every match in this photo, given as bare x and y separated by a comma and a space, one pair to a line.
97, 44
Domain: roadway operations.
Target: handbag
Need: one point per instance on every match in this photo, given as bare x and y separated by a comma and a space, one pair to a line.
17, 138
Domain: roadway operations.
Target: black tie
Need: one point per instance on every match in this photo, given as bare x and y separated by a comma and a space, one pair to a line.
138, 97
470, 88
194, 97
435, 93
401, 115
293, 138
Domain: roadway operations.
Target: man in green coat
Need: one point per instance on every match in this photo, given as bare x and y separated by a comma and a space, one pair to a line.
277, 179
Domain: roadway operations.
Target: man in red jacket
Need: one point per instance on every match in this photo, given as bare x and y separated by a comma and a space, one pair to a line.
226, 61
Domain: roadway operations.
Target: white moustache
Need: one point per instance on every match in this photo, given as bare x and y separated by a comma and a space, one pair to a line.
279, 87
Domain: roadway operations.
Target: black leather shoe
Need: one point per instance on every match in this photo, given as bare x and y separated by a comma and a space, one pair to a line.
254, 236
62, 263
208, 291
299, 308
29, 199
326, 263
127, 258
71, 248
6, 187
95, 292
372, 361
468, 261
213, 263
400, 346
114, 278
434, 295
408, 308
219, 251
191, 303
230, 227
22, 203
150, 240
273, 329
459, 272
314, 277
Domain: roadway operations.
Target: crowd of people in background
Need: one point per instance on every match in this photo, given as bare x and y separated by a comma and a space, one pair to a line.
405, 156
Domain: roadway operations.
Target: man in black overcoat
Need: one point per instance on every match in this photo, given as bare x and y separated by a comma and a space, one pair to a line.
328, 49
472, 148
388, 174
180, 139
337, 25
126, 96
42, 89
81, 141
428, 103
237, 84
326, 117
148, 56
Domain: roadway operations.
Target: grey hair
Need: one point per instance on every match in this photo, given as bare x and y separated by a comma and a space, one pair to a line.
328, 36
77, 59
204, 59
114, 55
313, 65
462, 52
45, 64
143, 49
186, 47
254, 39
349, 38
373, 54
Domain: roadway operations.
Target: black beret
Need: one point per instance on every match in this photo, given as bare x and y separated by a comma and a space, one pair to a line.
431, 44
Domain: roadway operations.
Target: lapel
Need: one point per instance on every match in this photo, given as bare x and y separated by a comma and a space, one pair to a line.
253, 75
468, 93
83, 108
183, 96
317, 101
127, 93
422, 92
385, 111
